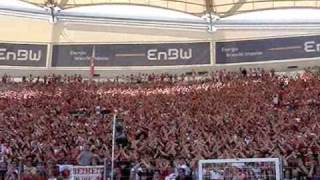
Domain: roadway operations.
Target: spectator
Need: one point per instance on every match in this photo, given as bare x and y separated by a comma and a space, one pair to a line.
29, 171
156, 175
219, 115
12, 173
316, 175
85, 157
171, 174
182, 175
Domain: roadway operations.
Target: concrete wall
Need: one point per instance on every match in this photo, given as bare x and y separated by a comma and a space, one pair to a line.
68, 32
19, 29
234, 33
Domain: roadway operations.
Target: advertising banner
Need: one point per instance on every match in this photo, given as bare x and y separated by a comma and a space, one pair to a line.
82, 172
268, 49
105, 55
23, 55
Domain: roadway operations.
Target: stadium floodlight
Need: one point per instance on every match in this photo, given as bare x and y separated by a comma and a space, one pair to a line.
253, 168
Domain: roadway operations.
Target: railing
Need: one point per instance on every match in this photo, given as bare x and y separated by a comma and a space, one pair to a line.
123, 170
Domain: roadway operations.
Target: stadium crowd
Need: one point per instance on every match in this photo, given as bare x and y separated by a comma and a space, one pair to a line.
166, 123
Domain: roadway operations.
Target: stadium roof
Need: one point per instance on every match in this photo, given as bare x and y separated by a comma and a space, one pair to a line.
221, 8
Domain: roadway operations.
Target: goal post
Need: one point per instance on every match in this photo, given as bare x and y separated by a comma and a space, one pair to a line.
251, 168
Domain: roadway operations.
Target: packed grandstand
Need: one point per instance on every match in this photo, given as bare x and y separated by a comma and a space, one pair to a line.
169, 122
159, 90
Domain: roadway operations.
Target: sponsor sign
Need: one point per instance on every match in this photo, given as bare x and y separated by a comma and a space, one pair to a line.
23, 55
132, 54
82, 172
303, 47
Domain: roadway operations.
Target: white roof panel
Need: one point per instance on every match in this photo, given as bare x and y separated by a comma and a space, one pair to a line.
130, 12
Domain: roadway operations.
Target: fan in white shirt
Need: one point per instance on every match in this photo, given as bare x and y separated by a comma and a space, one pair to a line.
216, 175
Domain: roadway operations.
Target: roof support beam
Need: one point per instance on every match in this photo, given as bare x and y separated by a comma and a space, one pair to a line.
210, 12
50, 3
235, 8
209, 6
60, 3
63, 3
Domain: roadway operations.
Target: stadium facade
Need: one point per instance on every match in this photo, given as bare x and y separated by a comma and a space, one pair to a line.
40, 36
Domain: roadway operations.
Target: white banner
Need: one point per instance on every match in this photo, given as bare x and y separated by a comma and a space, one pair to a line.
83, 172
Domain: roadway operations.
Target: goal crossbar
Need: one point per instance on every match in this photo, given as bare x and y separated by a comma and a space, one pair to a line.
276, 162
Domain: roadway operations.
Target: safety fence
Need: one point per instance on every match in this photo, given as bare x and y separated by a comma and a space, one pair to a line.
136, 171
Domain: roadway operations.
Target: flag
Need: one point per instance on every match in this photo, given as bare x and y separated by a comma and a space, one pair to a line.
92, 63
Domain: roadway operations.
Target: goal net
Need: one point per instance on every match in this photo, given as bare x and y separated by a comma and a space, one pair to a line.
238, 169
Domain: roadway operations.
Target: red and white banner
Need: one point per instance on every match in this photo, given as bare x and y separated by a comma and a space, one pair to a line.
92, 63
82, 172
